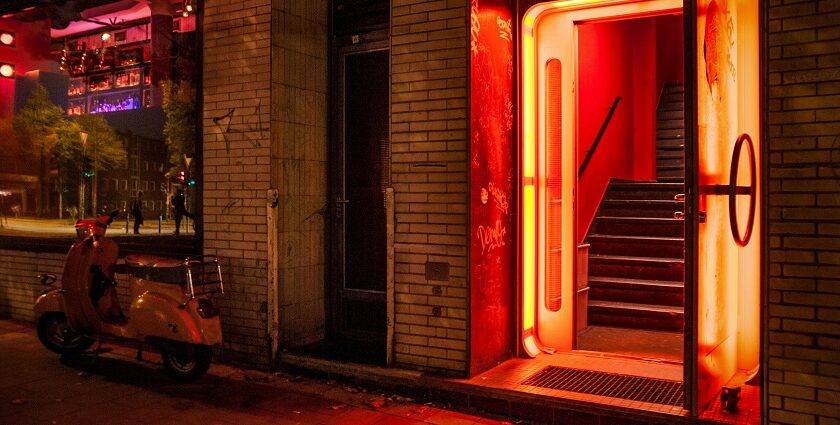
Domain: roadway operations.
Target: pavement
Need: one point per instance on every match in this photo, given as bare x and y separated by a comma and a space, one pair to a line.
27, 226
37, 386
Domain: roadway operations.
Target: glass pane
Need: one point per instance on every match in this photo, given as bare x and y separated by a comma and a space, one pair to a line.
82, 103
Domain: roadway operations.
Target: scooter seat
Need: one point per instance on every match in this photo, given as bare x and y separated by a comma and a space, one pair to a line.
158, 269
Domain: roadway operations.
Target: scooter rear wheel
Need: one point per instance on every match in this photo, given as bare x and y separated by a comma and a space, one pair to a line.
187, 365
55, 333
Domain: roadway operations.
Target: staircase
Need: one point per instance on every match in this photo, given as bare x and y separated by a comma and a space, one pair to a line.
637, 260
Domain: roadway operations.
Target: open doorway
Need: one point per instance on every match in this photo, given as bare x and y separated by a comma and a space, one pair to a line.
623, 269
630, 137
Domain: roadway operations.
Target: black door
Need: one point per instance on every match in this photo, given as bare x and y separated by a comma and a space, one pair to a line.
360, 176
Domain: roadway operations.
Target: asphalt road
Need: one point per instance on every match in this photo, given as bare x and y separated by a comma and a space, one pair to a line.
39, 387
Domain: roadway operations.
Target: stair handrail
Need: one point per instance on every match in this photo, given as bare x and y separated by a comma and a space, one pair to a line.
598, 137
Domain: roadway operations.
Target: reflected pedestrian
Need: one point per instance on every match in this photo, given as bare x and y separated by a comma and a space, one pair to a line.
137, 212
180, 209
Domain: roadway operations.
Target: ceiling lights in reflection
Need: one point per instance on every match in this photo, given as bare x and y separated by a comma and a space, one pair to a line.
7, 70
7, 38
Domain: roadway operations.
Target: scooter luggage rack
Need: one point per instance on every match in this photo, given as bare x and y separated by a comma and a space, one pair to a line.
203, 270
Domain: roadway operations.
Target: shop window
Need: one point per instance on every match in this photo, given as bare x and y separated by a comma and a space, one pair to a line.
104, 100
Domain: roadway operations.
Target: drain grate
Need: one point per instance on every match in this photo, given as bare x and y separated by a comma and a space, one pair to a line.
605, 384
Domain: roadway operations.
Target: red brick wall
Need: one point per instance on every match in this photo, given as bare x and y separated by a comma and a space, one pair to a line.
804, 197
430, 156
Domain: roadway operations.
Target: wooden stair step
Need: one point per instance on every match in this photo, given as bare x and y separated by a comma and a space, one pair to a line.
670, 143
653, 208
676, 105
662, 240
670, 134
643, 291
635, 315
667, 124
644, 190
670, 115
639, 226
634, 260
664, 285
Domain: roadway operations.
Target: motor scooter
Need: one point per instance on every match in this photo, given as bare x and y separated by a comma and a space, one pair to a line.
171, 304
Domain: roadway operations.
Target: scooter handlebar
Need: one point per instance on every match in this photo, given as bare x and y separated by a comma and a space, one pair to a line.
112, 215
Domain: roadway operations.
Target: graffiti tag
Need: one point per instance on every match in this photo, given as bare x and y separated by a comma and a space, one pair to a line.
500, 197
505, 28
491, 237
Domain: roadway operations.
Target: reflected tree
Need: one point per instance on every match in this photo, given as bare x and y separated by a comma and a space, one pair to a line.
36, 125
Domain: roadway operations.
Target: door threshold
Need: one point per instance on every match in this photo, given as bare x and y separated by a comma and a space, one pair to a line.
489, 393
520, 375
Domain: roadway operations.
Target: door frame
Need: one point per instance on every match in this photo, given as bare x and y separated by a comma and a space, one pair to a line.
341, 47
690, 369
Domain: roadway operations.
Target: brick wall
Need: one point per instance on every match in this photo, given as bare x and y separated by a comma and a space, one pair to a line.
804, 196
299, 121
18, 284
237, 72
429, 173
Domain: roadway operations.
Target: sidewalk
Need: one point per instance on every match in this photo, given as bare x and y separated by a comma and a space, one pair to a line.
55, 227
38, 387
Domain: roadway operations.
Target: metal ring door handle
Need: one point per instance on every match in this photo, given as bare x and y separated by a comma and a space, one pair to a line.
734, 190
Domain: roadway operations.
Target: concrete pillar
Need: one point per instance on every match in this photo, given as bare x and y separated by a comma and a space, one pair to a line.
161, 47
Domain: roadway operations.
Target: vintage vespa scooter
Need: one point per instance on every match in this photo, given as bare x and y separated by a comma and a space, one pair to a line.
171, 306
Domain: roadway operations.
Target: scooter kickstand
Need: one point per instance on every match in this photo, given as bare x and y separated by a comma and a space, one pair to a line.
95, 355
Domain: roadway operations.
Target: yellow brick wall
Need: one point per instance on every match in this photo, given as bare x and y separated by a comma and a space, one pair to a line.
804, 196
299, 140
237, 106
18, 283
429, 171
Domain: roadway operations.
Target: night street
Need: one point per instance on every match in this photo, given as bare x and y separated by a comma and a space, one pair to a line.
37, 387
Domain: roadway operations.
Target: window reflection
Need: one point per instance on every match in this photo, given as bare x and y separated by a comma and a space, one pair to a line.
99, 106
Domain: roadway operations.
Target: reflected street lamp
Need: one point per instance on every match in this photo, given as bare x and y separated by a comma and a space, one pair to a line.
83, 136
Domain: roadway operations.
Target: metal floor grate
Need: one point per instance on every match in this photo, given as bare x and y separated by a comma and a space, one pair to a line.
605, 384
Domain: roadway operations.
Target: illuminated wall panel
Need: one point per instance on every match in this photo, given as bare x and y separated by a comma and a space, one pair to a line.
554, 185
492, 185
728, 275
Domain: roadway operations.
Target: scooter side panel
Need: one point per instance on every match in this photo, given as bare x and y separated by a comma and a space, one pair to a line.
155, 312
75, 280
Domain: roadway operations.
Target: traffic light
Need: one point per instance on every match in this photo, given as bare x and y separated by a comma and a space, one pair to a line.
87, 169
182, 176
191, 182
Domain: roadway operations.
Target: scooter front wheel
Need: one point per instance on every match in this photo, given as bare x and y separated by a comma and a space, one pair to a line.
55, 333
189, 364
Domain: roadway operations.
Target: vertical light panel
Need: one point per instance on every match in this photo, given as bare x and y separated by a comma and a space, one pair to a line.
529, 196
554, 185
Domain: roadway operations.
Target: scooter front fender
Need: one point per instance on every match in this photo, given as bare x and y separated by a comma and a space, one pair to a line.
158, 315
48, 302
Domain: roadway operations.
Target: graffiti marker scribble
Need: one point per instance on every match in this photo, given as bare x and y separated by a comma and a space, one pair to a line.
491, 237
500, 197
